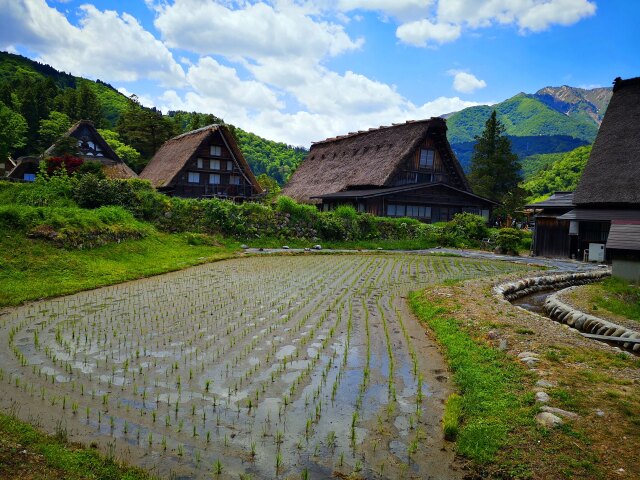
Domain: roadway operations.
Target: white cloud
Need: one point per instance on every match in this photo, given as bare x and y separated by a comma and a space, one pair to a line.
105, 44
422, 32
423, 23
257, 31
466, 82
532, 15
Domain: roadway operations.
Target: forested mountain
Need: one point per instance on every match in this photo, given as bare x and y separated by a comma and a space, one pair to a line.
561, 174
552, 120
39, 103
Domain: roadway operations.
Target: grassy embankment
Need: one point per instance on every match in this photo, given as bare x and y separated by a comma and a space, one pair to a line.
26, 453
492, 420
617, 296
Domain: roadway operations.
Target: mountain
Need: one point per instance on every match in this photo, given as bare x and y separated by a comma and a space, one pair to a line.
33, 91
552, 120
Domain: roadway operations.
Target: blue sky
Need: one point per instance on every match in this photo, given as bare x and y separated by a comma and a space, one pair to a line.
303, 70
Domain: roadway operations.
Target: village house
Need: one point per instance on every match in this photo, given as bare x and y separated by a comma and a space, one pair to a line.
6, 165
90, 147
607, 199
203, 163
403, 170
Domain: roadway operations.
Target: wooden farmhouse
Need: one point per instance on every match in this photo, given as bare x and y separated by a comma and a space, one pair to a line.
404, 170
90, 146
202, 163
608, 195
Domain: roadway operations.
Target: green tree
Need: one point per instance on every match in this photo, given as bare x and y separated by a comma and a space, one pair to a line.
53, 127
88, 105
145, 129
495, 170
128, 154
13, 131
270, 186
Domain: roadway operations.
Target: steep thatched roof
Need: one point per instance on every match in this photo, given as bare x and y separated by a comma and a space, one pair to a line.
114, 166
612, 174
365, 159
171, 158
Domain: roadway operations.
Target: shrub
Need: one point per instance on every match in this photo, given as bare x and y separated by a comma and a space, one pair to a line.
508, 239
468, 226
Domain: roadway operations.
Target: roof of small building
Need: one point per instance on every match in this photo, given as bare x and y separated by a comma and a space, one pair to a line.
368, 158
557, 200
171, 158
612, 173
600, 214
624, 235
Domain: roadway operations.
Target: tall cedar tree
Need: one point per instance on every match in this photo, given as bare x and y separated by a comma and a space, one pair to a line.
495, 170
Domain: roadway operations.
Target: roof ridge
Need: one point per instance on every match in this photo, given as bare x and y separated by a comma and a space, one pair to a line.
197, 130
373, 129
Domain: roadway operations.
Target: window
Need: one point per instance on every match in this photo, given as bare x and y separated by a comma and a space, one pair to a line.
214, 179
215, 150
214, 164
200, 162
194, 177
29, 177
234, 179
396, 210
426, 158
229, 165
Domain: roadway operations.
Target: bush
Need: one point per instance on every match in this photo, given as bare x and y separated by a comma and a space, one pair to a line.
508, 239
468, 226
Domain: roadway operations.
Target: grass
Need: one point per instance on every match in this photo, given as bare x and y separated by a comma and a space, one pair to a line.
491, 385
412, 244
32, 269
54, 457
618, 296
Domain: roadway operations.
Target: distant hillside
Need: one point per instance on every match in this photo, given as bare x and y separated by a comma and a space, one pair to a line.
561, 175
49, 90
554, 119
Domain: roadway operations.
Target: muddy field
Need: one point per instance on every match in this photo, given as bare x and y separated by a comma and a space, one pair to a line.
287, 366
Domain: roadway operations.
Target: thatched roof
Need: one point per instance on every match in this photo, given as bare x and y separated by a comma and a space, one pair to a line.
171, 158
114, 166
365, 159
612, 174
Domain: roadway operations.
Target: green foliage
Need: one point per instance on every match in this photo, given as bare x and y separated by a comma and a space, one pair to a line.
269, 185
508, 239
277, 160
532, 164
127, 154
494, 168
467, 226
13, 131
53, 127
562, 175
144, 129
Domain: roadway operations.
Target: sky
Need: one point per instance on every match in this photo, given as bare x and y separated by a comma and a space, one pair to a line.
299, 71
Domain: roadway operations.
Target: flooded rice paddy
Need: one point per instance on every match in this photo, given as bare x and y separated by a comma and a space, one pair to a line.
261, 367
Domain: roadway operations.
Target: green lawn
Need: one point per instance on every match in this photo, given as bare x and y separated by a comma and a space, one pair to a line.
618, 296
32, 269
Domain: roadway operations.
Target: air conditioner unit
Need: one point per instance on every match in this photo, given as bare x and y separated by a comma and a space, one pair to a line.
596, 252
